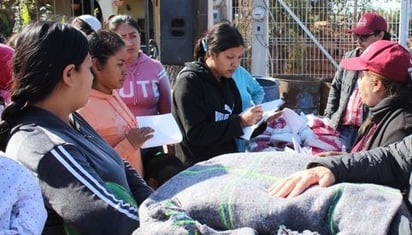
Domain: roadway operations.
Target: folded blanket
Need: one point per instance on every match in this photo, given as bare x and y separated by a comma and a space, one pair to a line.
229, 192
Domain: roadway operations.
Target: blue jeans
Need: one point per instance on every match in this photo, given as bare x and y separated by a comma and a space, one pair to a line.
347, 136
241, 145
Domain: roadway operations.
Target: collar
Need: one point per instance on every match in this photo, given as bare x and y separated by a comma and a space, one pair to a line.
384, 106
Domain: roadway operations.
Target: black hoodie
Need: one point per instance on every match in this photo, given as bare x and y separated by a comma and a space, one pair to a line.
207, 112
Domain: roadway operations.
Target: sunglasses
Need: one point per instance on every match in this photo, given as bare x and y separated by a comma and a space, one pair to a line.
363, 38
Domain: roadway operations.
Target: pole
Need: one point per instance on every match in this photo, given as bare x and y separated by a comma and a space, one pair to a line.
404, 22
260, 42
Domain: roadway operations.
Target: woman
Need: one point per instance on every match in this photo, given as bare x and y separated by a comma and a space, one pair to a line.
146, 89
251, 93
385, 87
206, 101
106, 111
41, 129
386, 90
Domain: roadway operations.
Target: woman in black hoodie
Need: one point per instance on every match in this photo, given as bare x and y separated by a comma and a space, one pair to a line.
206, 101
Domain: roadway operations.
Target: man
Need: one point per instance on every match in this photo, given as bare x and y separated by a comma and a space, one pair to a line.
344, 106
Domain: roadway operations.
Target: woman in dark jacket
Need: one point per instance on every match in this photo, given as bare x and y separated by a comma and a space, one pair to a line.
385, 87
206, 101
390, 165
86, 186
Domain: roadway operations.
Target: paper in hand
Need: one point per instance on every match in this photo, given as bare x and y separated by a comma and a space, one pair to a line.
269, 108
166, 130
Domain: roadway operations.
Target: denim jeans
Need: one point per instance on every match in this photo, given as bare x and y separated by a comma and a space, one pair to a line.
347, 136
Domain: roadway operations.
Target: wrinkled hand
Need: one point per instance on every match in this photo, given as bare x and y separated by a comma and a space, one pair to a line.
297, 183
137, 136
251, 116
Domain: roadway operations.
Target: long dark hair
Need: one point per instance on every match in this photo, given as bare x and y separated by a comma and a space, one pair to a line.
42, 52
219, 38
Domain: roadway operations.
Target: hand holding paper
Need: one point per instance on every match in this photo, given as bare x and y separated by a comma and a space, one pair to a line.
138, 136
252, 115
165, 128
269, 109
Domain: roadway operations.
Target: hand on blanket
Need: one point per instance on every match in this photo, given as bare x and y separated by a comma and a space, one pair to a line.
302, 180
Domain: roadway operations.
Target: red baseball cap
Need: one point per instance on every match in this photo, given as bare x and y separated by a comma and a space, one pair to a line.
369, 23
6, 56
386, 58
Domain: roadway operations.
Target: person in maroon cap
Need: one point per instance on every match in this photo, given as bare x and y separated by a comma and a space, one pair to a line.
6, 55
385, 64
385, 88
344, 106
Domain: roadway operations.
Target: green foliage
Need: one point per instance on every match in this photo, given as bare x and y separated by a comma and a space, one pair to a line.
15, 14
6, 22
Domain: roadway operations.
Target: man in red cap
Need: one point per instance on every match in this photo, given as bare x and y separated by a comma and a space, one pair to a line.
344, 106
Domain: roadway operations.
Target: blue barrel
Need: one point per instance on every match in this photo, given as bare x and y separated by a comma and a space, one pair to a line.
270, 86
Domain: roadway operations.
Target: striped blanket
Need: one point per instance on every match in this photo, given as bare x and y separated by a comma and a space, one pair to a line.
228, 195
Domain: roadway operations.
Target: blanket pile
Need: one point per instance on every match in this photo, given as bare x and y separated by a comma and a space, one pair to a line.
228, 195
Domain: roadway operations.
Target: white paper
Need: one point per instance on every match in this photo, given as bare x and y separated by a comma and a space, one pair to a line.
165, 128
269, 108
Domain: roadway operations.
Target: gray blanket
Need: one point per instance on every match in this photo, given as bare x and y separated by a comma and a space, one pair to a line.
228, 195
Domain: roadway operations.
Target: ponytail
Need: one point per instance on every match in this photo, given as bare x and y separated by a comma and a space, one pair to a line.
10, 115
43, 50
200, 49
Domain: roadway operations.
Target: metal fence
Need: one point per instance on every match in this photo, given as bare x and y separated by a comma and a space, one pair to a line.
307, 37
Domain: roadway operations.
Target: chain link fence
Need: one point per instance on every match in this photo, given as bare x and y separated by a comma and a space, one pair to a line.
299, 29
307, 40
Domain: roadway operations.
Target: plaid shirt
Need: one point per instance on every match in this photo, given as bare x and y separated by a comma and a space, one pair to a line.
354, 109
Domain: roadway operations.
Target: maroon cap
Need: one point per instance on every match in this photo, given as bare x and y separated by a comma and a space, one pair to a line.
6, 56
368, 23
386, 58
